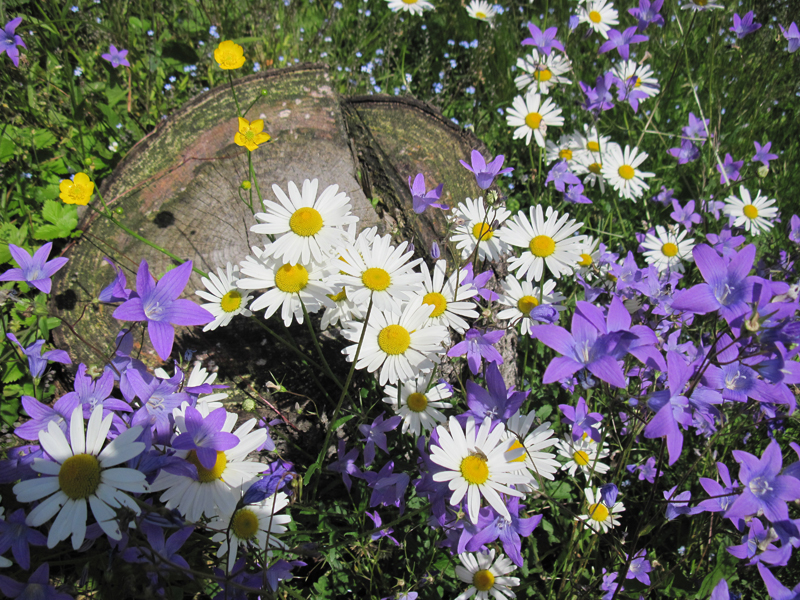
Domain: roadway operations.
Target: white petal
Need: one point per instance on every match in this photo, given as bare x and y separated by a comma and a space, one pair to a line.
47, 467
55, 443
118, 452
79, 524
62, 526
77, 435
35, 489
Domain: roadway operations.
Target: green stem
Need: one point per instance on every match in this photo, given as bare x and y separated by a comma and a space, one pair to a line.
314, 339
233, 91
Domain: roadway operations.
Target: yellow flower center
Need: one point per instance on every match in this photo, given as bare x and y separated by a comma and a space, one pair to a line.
533, 120
542, 246
291, 278
482, 231
516, 446
669, 249
581, 457
638, 82
250, 135
750, 211
376, 279
626, 172
566, 154
593, 146
244, 524
436, 300
598, 512
542, 74
474, 469
595, 17
409, 1
394, 339
417, 402
586, 260
483, 580
208, 475
480, 15
526, 304
306, 221
79, 476
340, 297
76, 193
231, 301
701, 2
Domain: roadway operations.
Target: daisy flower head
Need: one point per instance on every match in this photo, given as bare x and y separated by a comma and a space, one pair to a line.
83, 472
447, 296
534, 463
753, 215
289, 286
475, 465
590, 144
667, 249
397, 343
599, 15
599, 516
417, 404
699, 5
549, 241
583, 455
379, 271
307, 227
481, 10
590, 166
415, 7
343, 311
486, 576
590, 258
215, 491
522, 297
225, 299
476, 226
252, 524
645, 80
621, 170
541, 72
561, 150
531, 116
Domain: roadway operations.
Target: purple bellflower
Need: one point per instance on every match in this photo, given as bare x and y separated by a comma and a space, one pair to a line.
476, 346
479, 282
583, 422
375, 435
42, 415
599, 98
686, 153
281, 474
757, 546
794, 229
722, 495
628, 92
34, 270
38, 586
162, 549
496, 401
346, 465
648, 13
665, 196
381, 533
763, 154
639, 567
575, 195
678, 504
545, 41
240, 576
159, 398
647, 471
205, 436
696, 129
763, 488
158, 304
561, 175
117, 58
15, 534
685, 215
388, 488
792, 36
486, 172
729, 170
90, 393
775, 588
743, 26
725, 244
609, 585
621, 41
37, 360
721, 591
492, 526
116, 290
422, 198
10, 42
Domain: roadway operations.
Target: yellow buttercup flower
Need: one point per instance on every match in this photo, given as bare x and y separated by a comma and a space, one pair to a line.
77, 191
251, 134
229, 55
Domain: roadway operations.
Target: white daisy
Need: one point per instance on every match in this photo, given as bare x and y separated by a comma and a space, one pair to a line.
417, 404
600, 517
415, 7
197, 377
476, 465
589, 265
699, 5
600, 15
667, 249
217, 490
251, 525
447, 296
559, 151
532, 116
308, 227
645, 81
481, 10
523, 297
589, 145
584, 455
591, 167
751, 214
621, 170
225, 300
399, 344
474, 226
537, 464
486, 576
289, 286
379, 271
549, 242
540, 72
343, 311
82, 471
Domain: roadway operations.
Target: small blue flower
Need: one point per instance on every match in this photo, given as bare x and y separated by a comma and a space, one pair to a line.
167, 86
473, 44
437, 88
172, 78
470, 90
77, 72
256, 67
337, 5
453, 63
212, 31
74, 9
150, 33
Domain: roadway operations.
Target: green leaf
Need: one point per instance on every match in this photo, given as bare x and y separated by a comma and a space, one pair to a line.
544, 411
340, 421
9, 410
12, 372
310, 473
9, 234
181, 52
43, 138
63, 219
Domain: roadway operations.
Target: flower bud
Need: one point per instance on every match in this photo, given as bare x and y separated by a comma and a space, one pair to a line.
245, 185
